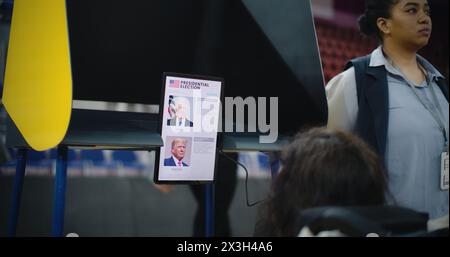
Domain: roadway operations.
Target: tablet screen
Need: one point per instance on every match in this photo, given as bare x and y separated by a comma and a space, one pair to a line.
190, 111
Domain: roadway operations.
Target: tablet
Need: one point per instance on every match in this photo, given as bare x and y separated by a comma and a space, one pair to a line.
189, 126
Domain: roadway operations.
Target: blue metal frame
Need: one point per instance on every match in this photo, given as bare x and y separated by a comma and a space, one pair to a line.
17, 192
60, 192
209, 210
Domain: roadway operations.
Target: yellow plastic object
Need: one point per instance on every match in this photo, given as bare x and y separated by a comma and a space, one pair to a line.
38, 81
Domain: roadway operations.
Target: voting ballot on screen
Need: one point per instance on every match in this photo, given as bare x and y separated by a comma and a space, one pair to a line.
189, 113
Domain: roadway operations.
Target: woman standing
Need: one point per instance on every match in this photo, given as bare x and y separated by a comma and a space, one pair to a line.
398, 102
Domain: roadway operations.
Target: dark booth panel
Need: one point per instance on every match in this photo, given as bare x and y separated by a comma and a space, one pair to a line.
271, 50
119, 49
260, 47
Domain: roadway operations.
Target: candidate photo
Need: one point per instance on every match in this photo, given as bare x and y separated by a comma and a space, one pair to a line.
178, 152
179, 112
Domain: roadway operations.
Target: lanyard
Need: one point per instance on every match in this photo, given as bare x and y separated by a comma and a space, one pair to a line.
433, 113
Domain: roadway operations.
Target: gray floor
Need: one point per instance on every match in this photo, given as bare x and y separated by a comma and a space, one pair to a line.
112, 206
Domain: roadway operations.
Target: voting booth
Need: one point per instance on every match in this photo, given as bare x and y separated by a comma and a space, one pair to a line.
115, 51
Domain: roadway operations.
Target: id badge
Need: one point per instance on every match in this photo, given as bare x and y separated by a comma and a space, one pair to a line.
444, 171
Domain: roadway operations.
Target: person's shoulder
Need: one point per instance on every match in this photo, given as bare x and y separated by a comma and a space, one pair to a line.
169, 162
343, 80
344, 76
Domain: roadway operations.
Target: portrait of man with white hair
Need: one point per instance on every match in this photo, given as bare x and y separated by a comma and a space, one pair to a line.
179, 108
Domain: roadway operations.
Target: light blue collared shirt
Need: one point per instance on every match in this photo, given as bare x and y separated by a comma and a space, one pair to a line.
414, 140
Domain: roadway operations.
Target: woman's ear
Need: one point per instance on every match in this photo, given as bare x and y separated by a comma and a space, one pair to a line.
384, 26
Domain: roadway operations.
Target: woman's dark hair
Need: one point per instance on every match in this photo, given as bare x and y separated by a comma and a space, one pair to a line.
374, 10
321, 167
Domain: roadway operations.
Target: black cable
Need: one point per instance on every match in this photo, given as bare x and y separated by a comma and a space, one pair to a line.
246, 179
